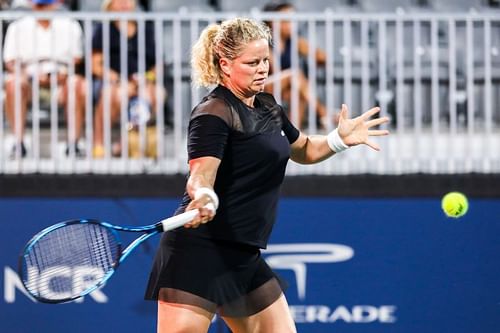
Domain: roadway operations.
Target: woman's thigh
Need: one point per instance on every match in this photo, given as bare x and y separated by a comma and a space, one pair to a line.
179, 318
274, 318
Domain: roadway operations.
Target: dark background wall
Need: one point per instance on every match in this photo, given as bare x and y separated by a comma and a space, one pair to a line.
420, 185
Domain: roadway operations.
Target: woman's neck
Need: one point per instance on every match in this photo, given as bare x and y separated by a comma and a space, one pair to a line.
247, 100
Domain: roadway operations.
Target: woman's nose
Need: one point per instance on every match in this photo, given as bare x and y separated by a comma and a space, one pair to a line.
263, 66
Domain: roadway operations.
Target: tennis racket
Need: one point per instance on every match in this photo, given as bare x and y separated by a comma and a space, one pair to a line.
70, 259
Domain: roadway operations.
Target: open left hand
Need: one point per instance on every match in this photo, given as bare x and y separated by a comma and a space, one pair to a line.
357, 130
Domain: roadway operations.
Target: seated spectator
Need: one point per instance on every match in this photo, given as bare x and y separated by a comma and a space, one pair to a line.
64, 5
287, 74
42, 49
115, 91
5, 4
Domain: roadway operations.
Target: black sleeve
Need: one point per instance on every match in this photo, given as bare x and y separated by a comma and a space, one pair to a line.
209, 129
291, 132
207, 137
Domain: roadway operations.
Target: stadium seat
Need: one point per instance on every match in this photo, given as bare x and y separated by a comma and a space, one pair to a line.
391, 6
318, 5
456, 5
241, 6
91, 5
176, 5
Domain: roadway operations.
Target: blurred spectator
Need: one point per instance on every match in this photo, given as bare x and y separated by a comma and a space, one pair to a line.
287, 74
137, 102
20, 4
26, 4
5, 4
43, 49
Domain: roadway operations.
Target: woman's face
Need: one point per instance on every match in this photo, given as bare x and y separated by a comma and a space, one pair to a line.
247, 73
122, 6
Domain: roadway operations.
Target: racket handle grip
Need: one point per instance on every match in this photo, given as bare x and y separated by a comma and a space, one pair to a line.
183, 218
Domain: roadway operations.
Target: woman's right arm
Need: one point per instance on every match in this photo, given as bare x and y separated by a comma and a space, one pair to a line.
202, 173
208, 134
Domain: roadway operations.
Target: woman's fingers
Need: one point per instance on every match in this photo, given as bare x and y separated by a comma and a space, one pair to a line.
357, 131
376, 122
368, 114
344, 112
378, 132
204, 215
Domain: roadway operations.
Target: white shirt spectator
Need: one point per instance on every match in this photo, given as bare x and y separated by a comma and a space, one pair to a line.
55, 47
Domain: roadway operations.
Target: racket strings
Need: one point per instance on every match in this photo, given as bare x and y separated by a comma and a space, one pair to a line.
69, 260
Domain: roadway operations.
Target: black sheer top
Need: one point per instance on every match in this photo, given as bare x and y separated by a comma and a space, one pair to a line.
253, 145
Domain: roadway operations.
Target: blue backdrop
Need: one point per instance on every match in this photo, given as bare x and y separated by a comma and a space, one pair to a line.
371, 265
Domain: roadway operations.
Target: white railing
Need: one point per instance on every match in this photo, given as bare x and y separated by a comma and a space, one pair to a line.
436, 75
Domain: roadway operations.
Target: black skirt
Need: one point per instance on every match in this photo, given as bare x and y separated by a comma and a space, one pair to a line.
222, 277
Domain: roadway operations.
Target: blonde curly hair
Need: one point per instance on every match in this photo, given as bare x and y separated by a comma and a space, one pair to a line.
224, 40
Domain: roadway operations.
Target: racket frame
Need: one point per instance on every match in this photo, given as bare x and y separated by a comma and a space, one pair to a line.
149, 231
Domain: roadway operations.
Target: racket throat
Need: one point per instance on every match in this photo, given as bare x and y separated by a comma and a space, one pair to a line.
159, 227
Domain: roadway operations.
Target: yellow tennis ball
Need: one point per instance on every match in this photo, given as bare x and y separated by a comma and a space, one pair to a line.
455, 204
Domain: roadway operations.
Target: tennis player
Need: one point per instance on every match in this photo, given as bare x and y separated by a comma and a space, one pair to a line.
239, 143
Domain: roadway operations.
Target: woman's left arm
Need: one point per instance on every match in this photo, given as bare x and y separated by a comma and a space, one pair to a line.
350, 132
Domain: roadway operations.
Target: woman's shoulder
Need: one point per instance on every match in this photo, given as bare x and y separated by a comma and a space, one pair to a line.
266, 99
215, 106
211, 104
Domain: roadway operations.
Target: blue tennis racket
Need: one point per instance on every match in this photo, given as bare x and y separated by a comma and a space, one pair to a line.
70, 259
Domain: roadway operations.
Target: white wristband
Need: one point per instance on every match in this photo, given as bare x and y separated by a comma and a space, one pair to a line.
335, 141
210, 193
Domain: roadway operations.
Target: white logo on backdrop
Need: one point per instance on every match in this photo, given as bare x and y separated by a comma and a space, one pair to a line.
296, 256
